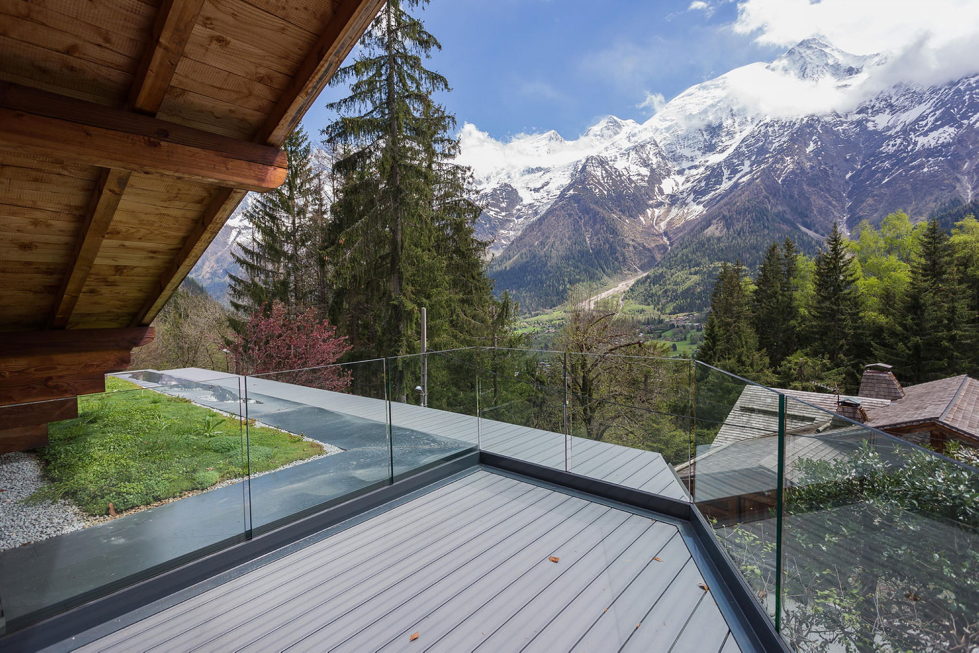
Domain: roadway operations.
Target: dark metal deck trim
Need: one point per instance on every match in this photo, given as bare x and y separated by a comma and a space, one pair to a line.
106, 608
743, 610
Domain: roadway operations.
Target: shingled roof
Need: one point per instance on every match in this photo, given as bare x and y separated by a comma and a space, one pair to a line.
951, 402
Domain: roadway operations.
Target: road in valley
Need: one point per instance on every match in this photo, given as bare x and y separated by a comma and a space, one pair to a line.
618, 289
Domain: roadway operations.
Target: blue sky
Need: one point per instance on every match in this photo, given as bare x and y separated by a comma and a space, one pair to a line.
524, 66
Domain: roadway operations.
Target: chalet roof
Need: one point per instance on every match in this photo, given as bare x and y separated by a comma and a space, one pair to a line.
755, 413
952, 402
129, 132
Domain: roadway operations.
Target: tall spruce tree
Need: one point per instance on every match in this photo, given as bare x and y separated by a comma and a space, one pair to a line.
932, 328
402, 233
775, 311
280, 261
965, 247
730, 341
835, 325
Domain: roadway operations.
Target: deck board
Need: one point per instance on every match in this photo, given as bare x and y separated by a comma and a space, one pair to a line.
466, 567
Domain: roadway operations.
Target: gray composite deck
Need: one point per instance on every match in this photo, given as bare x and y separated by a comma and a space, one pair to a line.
465, 566
55, 570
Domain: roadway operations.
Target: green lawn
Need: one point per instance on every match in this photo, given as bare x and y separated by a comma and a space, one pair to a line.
133, 447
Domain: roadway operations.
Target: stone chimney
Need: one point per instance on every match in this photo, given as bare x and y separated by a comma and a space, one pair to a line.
880, 383
851, 409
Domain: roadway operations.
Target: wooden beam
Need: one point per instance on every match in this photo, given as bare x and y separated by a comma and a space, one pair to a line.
17, 390
44, 364
348, 22
105, 199
222, 204
19, 343
175, 20
23, 438
113, 138
38, 412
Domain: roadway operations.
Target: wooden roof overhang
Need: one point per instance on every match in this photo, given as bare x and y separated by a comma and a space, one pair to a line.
129, 132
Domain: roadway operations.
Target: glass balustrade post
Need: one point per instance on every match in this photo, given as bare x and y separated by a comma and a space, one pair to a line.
389, 428
566, 414
779, 511
246, 485
478, 386
692, 397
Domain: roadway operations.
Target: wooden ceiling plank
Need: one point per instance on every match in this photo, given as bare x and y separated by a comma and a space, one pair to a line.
349, 20
171, 31
105, 200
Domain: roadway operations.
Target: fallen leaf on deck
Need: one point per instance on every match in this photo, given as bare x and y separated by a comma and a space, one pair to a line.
413, 637
554, 559
703, 587
658, 559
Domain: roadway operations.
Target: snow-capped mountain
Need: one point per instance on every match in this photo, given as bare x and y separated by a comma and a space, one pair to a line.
774, 149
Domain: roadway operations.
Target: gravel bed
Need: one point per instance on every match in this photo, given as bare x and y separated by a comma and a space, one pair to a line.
20, 523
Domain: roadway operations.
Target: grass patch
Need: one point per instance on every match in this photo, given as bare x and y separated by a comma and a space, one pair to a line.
133, 447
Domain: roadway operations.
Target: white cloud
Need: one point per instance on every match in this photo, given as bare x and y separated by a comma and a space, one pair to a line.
487, 155
700, 5
653, 102
925, 41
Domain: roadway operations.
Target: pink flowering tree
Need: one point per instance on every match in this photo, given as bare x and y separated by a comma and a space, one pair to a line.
291, 347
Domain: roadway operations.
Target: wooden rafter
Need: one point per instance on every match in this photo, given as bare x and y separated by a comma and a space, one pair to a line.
105, 199
174, 24
172, 29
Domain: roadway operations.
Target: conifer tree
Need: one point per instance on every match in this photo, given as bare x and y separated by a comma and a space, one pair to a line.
730, 341
278, 264
402, 231
835, 326
931, 327
775, 311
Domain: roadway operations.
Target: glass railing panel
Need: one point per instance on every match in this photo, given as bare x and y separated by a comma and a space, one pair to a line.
522, 406
629, 419
433, 408
733, 474
337, 415
880, 540
140, 481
